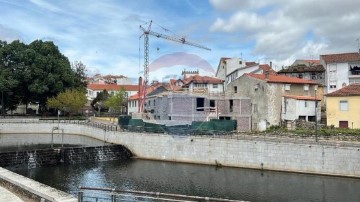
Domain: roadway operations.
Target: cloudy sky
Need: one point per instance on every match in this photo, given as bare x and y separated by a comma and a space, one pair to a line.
104, 35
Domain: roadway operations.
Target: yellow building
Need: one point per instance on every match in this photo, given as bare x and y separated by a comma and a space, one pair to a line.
343, 107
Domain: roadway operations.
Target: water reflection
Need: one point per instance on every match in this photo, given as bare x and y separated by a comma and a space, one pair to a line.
200, 180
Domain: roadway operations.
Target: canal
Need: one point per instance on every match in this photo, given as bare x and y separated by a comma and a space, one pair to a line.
199, 180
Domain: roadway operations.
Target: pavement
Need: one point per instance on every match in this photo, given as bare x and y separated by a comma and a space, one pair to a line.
7, 196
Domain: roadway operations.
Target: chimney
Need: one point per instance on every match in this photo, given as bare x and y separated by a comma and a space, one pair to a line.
270, 64
266, 74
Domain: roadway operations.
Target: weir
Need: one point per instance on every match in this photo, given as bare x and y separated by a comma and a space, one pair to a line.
68, 155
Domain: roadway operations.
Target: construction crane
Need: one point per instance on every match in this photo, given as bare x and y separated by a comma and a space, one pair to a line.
146, 33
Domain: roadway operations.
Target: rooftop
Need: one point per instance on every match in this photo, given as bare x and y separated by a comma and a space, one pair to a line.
113, 87
281, 79
341, 57
202, 79
301, 68
350, 90
298, 97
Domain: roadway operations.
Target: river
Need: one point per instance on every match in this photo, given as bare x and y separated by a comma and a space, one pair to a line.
199, 180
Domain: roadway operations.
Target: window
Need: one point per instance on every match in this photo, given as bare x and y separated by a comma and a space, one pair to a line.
332, 86
344, 105
235, 89
300, 76
215, 85
313, 76
302, 118
240, 62
154, 102
212, 105
231, 105
306, 87
169, 117
287, 86
306, 104
200, 104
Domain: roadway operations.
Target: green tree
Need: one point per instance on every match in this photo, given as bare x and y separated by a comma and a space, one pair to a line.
116, 102
99, 102
71, 101
80, 74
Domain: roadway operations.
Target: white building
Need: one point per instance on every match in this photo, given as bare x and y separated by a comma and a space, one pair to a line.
301, 108
341, 70
93, 89
230, 69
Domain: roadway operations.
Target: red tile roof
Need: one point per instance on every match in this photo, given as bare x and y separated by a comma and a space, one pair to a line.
315, 62
281, 79
350, 90
266, 67
298, 97
341, 57
96, 86
202, 79
249, 64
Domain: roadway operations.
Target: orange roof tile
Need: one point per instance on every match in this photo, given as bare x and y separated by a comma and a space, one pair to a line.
350, 90
96, 86
248, 64
202, 79
341, 57
298, 97
266, 67
281, 79
317, 62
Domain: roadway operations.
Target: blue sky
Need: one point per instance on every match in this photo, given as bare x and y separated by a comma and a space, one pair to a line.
104, 35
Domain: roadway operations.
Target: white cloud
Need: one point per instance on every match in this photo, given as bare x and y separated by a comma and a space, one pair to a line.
285, 30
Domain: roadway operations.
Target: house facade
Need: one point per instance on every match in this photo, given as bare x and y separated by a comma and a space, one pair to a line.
341, 70
269, 93
188, 107
343, 107
315, 72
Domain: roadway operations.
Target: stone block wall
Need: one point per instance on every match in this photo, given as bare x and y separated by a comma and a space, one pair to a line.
46, 157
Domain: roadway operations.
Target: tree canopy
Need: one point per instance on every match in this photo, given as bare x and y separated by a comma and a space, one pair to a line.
72, 100
116, 101
35, 72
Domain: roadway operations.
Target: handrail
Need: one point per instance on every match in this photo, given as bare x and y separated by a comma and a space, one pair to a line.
146, 194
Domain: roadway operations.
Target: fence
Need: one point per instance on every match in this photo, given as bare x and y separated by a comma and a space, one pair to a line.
113, 195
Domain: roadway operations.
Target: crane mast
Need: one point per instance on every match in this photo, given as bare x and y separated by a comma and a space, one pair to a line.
146, 33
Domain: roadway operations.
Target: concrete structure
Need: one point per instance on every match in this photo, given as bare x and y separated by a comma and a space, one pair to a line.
267, 92
236, 152
178, 106
341, 70
343, 107
30, 190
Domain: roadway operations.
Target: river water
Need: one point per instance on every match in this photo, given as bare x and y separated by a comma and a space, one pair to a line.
199, 180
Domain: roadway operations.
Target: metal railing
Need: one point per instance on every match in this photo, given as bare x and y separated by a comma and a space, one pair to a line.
113, 195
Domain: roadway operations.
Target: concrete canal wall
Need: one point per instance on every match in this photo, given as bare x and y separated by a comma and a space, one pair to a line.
271, 155
31, 191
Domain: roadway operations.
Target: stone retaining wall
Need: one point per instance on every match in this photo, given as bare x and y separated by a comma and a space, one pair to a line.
46, 157
272, 155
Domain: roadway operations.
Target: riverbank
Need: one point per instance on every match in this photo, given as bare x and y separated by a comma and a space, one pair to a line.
279, 154
21, 188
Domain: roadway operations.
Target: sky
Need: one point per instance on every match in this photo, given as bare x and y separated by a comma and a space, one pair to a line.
105, 35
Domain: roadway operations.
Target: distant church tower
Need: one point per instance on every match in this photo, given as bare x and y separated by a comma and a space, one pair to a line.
186, 74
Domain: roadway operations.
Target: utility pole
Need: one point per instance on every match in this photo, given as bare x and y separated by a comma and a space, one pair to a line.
316, 123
